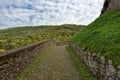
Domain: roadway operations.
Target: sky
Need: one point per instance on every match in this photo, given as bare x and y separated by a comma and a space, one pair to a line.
15, 13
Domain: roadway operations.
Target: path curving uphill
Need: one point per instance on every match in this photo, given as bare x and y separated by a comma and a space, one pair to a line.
55, 65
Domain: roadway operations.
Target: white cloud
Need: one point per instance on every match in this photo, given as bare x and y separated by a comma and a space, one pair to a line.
46, 12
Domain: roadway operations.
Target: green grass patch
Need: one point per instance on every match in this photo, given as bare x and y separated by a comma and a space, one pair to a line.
27, 70
102, 36
2, 50
83, 71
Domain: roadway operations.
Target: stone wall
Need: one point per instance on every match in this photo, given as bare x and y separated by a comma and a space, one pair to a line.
14, 61
62, 43
98, 65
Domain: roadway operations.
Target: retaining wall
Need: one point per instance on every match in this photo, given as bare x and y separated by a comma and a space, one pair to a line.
62, 43
14, 61
98, 65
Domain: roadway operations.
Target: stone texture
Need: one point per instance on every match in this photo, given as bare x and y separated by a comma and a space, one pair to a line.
98, 65
102, 60
118, 74
109, 62
111, 5
110, 71
14, 61
114, 5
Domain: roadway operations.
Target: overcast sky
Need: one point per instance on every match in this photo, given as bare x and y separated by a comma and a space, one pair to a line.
15, 13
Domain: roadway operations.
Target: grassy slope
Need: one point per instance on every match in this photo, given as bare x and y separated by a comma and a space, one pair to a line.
102, 36
83, 71
20, 36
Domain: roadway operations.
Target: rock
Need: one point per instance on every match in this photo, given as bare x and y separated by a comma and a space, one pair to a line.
102, 60
109, 62
111, 5
118, 74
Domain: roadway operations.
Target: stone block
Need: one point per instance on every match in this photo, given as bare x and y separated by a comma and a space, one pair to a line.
19, 59
102, 60
118, 74
109, 62
110, 71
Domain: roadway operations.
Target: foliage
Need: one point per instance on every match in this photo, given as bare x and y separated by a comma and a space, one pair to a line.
20, 36
84, 72
102, 36
2, 50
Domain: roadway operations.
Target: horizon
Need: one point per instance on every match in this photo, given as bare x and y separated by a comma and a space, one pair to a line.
41, 26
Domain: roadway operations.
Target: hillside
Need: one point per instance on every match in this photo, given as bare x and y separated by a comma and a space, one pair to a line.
102, 36
20, 36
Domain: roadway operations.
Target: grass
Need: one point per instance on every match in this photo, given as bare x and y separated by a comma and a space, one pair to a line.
83, 71
102, 36
27, 70
2, 50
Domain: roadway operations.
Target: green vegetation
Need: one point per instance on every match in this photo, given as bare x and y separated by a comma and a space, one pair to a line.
2, 50
27, 70
20, 36
84, 72
108, 0
102, 36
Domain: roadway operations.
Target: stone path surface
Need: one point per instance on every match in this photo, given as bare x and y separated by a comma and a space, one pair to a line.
55, 65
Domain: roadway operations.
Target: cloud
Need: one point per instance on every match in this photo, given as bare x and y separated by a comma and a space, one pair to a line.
48, 12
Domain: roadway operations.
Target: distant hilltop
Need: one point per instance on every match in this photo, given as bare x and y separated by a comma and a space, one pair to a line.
111, 5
